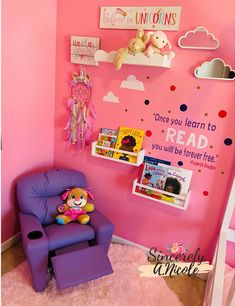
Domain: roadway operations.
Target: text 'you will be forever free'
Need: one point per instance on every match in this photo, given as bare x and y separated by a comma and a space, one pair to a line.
184, 138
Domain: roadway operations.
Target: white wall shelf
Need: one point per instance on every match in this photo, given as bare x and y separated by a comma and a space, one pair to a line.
139, 155
178, 199
156, 59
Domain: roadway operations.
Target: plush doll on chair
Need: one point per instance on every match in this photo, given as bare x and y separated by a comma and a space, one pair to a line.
76, 206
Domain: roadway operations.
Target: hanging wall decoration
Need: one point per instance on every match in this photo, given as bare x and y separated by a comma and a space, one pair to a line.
199, 38
83, 50
82, 113
215, 69
165, 18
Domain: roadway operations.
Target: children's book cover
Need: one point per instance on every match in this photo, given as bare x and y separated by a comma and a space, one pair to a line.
104, 152
178, 180
151, 160
155, 161
109, 132
154, 176
151, 193
129, 140
106, 141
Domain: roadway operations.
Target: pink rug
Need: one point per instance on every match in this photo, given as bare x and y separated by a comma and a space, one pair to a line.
122, 288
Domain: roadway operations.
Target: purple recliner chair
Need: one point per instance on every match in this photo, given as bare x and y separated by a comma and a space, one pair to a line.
76, 253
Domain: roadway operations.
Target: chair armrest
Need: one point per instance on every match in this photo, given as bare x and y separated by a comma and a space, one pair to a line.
36, 249
103, 228
29, 224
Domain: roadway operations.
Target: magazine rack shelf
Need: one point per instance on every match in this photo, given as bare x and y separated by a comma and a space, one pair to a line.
139, 155
156, 59
184, 200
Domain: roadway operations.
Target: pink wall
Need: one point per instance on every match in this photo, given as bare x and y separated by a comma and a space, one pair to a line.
28, 110
28, 90
142, 221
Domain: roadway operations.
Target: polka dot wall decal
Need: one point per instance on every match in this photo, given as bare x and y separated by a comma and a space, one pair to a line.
180, 163
206, 114
199, 170
169, 111
147, 77
198, 87
228, 141
163, 131
148, 133
142, 119
222, 113
183, 107
205, 193
222, 172
146, 102
125, 110
211, 147
172, 88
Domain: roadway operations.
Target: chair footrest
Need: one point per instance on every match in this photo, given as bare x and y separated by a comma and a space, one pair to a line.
80, 266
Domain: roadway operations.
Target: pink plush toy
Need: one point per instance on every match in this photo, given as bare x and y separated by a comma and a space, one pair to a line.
76, 206
159, 44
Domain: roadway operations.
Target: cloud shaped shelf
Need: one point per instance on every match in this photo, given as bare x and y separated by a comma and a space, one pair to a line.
215, 69
156, 60
199, 38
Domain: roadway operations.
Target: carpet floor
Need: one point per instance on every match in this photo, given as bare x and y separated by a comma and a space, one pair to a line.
122, 288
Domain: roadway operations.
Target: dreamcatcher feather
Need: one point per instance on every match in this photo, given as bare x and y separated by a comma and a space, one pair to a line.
82, 112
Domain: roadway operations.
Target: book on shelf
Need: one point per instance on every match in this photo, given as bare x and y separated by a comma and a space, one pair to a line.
106, 140
151, 160
166, 178
129, 140
109, 132
148, 192
153, 176
155, 161
104, 152
178, 180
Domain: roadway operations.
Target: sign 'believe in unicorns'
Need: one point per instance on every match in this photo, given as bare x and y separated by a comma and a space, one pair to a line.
149, 18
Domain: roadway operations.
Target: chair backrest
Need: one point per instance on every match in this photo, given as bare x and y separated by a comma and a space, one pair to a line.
39, 194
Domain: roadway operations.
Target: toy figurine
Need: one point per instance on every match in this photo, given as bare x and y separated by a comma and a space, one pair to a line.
76, 206
135, 45
159, 44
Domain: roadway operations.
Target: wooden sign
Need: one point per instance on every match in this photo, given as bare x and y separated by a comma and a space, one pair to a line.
164, 18
83, 50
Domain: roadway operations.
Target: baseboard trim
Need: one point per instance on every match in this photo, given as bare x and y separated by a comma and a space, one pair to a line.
10, 242
120, 240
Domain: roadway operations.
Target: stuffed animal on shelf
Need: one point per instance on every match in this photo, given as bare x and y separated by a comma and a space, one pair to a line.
76, 206
135, 45
159, 44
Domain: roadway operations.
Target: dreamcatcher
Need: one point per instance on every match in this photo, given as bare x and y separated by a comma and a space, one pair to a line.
82, 112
